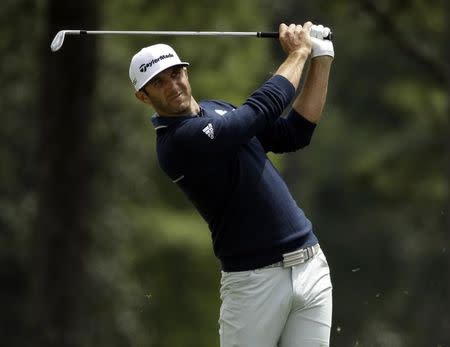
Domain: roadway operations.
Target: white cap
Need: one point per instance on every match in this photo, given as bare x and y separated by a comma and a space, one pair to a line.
150, 61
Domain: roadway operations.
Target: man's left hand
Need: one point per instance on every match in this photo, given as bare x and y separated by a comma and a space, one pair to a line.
321, 47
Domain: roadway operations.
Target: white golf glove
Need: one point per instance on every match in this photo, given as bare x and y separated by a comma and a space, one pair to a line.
320, 46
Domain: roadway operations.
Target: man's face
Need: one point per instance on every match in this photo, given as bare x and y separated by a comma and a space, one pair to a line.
169, 92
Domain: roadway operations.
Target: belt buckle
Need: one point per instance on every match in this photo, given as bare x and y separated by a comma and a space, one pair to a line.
294, 258
298, 256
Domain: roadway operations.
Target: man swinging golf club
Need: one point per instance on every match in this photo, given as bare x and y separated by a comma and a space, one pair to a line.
275, 287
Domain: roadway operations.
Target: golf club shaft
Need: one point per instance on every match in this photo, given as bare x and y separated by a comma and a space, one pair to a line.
173, 33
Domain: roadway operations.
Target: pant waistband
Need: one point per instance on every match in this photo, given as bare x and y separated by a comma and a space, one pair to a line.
296, 257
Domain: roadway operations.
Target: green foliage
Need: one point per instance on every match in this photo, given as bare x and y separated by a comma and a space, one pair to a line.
374, 181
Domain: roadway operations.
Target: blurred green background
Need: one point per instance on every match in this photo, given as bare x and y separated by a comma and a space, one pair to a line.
99, 248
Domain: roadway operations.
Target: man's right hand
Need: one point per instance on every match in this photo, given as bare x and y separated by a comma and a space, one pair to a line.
296, 42
296, 38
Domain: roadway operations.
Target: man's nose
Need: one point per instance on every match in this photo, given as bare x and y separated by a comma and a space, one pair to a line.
170, 83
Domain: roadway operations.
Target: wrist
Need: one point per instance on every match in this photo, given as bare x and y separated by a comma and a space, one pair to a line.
300, 54
324, 60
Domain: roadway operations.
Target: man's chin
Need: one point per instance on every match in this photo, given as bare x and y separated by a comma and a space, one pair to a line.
183, 109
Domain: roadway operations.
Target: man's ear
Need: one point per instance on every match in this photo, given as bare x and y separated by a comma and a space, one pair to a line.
140, 95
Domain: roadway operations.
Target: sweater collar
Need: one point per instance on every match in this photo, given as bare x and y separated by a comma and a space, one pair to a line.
160, 122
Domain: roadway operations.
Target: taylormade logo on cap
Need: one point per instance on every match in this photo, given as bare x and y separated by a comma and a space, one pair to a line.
144, 67
150, 61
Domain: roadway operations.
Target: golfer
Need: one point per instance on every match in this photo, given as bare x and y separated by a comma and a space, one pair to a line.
275, 287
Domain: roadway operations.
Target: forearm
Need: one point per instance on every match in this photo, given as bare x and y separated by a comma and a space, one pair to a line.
292, 67
311, 100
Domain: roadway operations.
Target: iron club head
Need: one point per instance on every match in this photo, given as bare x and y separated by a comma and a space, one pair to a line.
58, 40
60, 36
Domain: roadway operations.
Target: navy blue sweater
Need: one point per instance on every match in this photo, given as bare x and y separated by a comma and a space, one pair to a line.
218, 158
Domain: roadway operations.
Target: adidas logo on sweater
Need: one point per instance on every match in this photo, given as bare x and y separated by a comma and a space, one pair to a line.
209, 131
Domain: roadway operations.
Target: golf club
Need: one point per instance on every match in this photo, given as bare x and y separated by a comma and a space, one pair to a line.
60, 36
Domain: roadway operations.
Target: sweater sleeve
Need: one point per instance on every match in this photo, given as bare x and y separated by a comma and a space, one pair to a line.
287, 134
238, 126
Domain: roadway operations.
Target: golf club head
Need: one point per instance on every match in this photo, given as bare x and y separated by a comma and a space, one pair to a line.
58, 40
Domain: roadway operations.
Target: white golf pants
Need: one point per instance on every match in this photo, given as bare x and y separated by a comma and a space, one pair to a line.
277, 307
